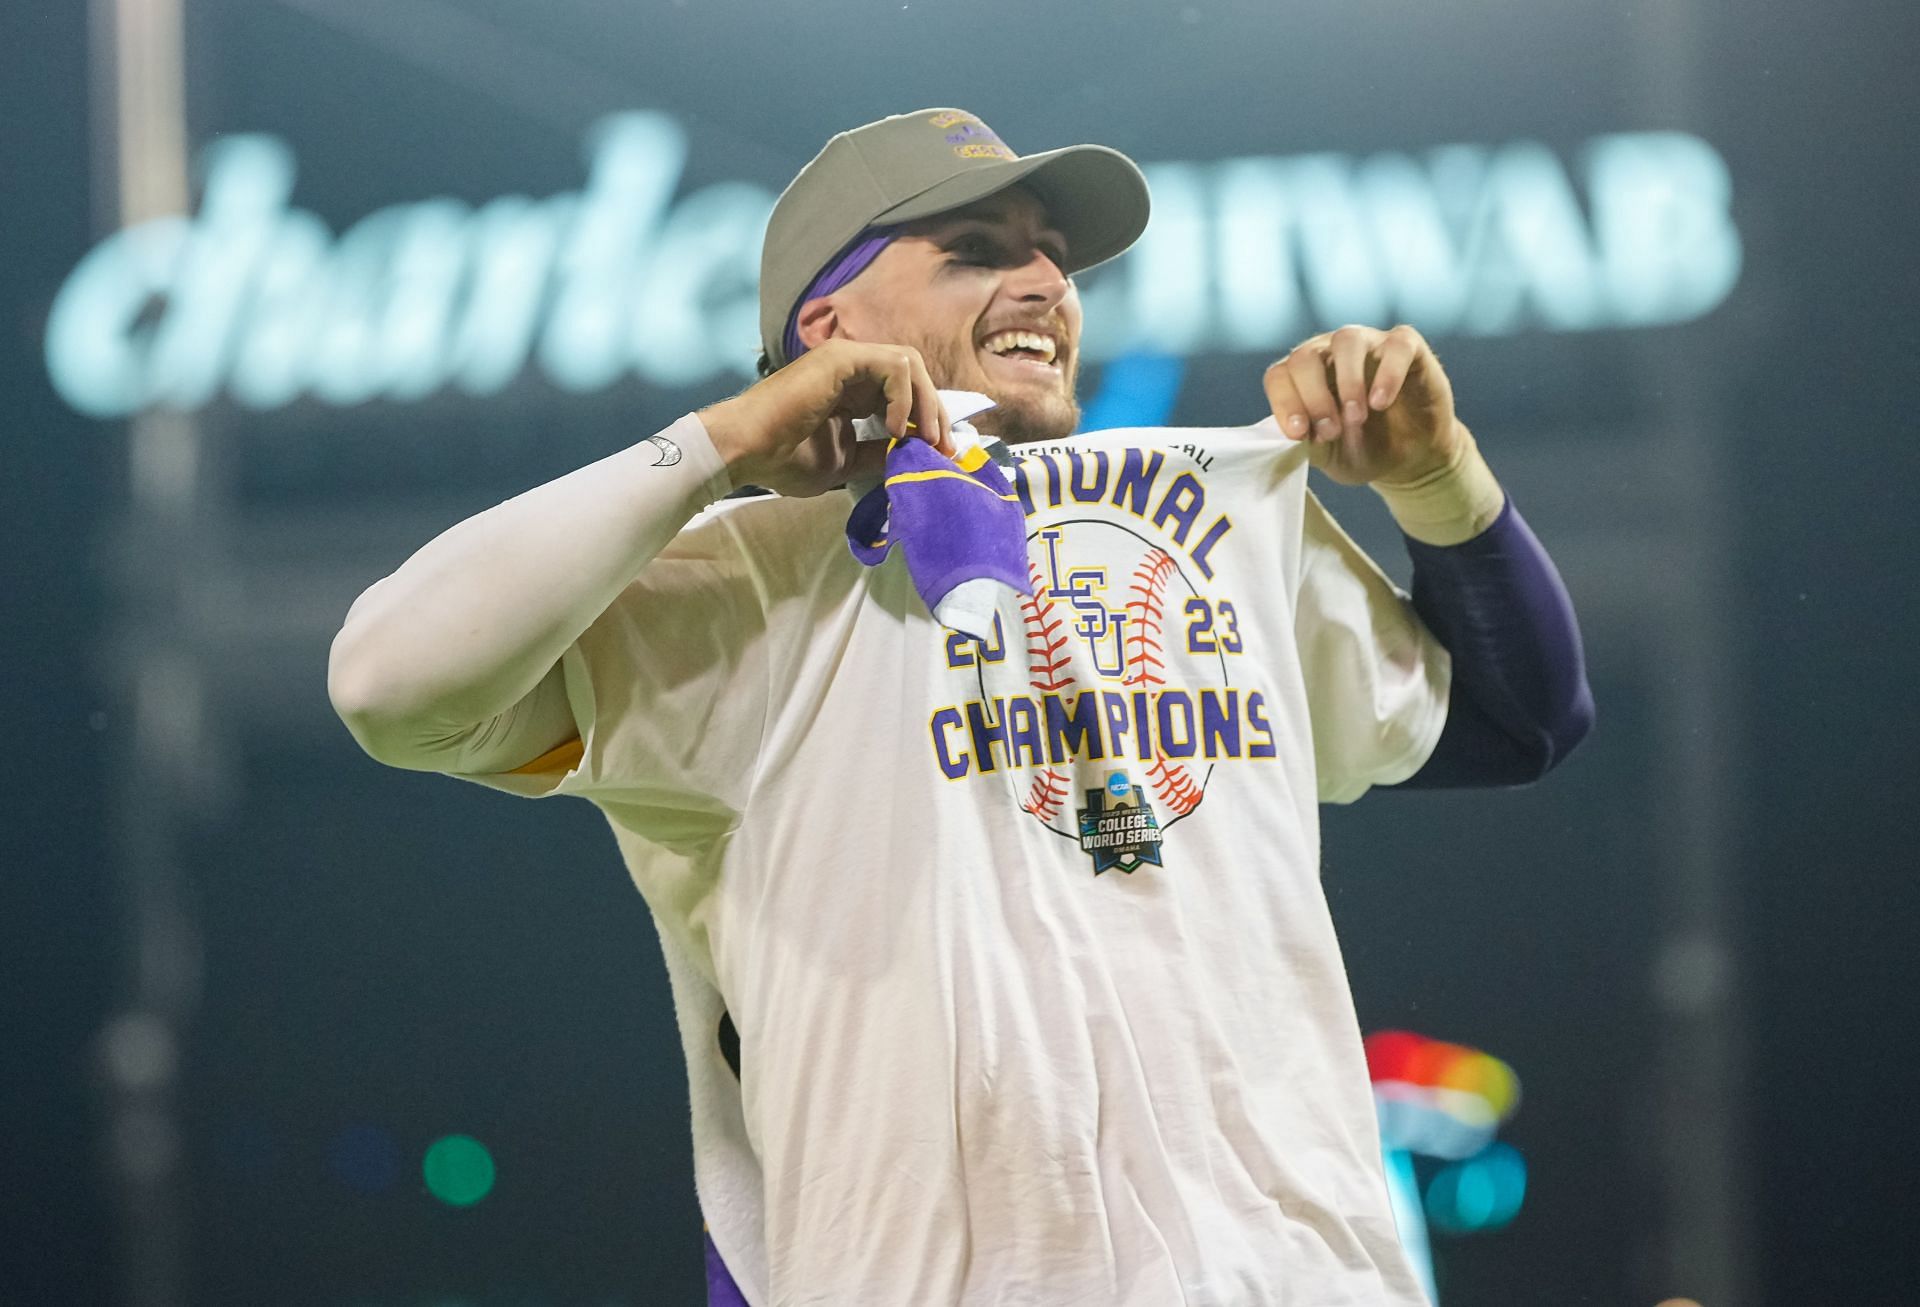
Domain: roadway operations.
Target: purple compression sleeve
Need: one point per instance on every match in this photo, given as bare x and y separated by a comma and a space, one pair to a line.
1519, 700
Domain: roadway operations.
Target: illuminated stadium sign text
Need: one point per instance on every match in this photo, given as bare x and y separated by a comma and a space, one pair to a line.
258, 299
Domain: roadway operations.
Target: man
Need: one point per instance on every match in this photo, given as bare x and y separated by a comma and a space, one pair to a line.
1002, 965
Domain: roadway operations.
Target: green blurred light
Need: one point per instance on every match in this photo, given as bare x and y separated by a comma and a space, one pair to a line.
458, 1170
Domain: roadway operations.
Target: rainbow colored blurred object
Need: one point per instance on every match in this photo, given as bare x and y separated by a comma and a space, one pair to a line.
1446, 1102
1438, 1099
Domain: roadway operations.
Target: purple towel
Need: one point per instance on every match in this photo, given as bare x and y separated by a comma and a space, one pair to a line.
959, 524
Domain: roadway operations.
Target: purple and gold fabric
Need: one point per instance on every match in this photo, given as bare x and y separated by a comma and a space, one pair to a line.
959, 524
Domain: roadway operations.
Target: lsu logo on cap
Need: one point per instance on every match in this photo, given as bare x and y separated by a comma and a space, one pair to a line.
969, 137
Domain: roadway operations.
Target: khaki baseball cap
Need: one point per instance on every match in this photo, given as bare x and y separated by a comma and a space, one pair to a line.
915, 165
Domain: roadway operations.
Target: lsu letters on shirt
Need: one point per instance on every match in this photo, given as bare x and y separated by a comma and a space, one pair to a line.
1037, 996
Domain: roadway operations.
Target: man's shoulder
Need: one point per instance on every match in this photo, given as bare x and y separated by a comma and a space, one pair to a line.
764, 508
758, 524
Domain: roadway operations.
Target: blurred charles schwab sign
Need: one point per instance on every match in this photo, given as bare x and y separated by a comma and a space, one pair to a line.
260, 299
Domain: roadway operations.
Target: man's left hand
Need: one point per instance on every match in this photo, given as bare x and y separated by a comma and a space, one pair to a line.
1372, 406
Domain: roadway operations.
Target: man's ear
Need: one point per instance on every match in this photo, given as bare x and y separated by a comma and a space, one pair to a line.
818, 321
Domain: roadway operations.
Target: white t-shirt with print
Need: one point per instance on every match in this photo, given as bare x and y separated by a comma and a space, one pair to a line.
1037, 994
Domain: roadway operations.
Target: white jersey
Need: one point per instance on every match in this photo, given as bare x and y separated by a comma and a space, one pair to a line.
1037, 995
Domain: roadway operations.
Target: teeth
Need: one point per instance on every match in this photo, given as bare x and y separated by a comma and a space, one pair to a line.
1002, 342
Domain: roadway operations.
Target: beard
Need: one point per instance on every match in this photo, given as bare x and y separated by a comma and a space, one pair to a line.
1027, 418
1022, 413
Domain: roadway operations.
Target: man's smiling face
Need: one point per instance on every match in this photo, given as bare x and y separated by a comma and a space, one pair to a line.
980, 293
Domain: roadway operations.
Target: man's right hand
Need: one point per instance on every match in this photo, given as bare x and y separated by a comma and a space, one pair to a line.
793, 431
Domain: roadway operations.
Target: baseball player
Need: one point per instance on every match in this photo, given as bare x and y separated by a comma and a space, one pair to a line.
1001, 961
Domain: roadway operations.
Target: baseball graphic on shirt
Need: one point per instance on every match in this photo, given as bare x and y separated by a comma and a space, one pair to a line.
1114, 693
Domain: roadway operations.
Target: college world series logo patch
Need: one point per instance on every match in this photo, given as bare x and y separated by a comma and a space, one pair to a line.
1118, 828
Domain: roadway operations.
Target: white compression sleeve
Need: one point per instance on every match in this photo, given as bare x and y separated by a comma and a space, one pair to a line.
452, 662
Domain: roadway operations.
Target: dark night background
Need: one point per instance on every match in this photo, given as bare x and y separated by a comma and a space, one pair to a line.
407, 953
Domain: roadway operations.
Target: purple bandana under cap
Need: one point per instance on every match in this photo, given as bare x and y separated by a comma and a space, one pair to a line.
843, 268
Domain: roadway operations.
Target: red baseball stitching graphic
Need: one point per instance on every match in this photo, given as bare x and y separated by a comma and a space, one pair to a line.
1172, 784
1047, 657
1046, 637
1146, 608
1049, 788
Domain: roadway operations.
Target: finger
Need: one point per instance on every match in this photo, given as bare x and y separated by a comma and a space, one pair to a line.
866, 460
860, 388
1308, 368
811, 465
1347, 360
897, 371
927, 418
1398, 353
1289, 410
943, 422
